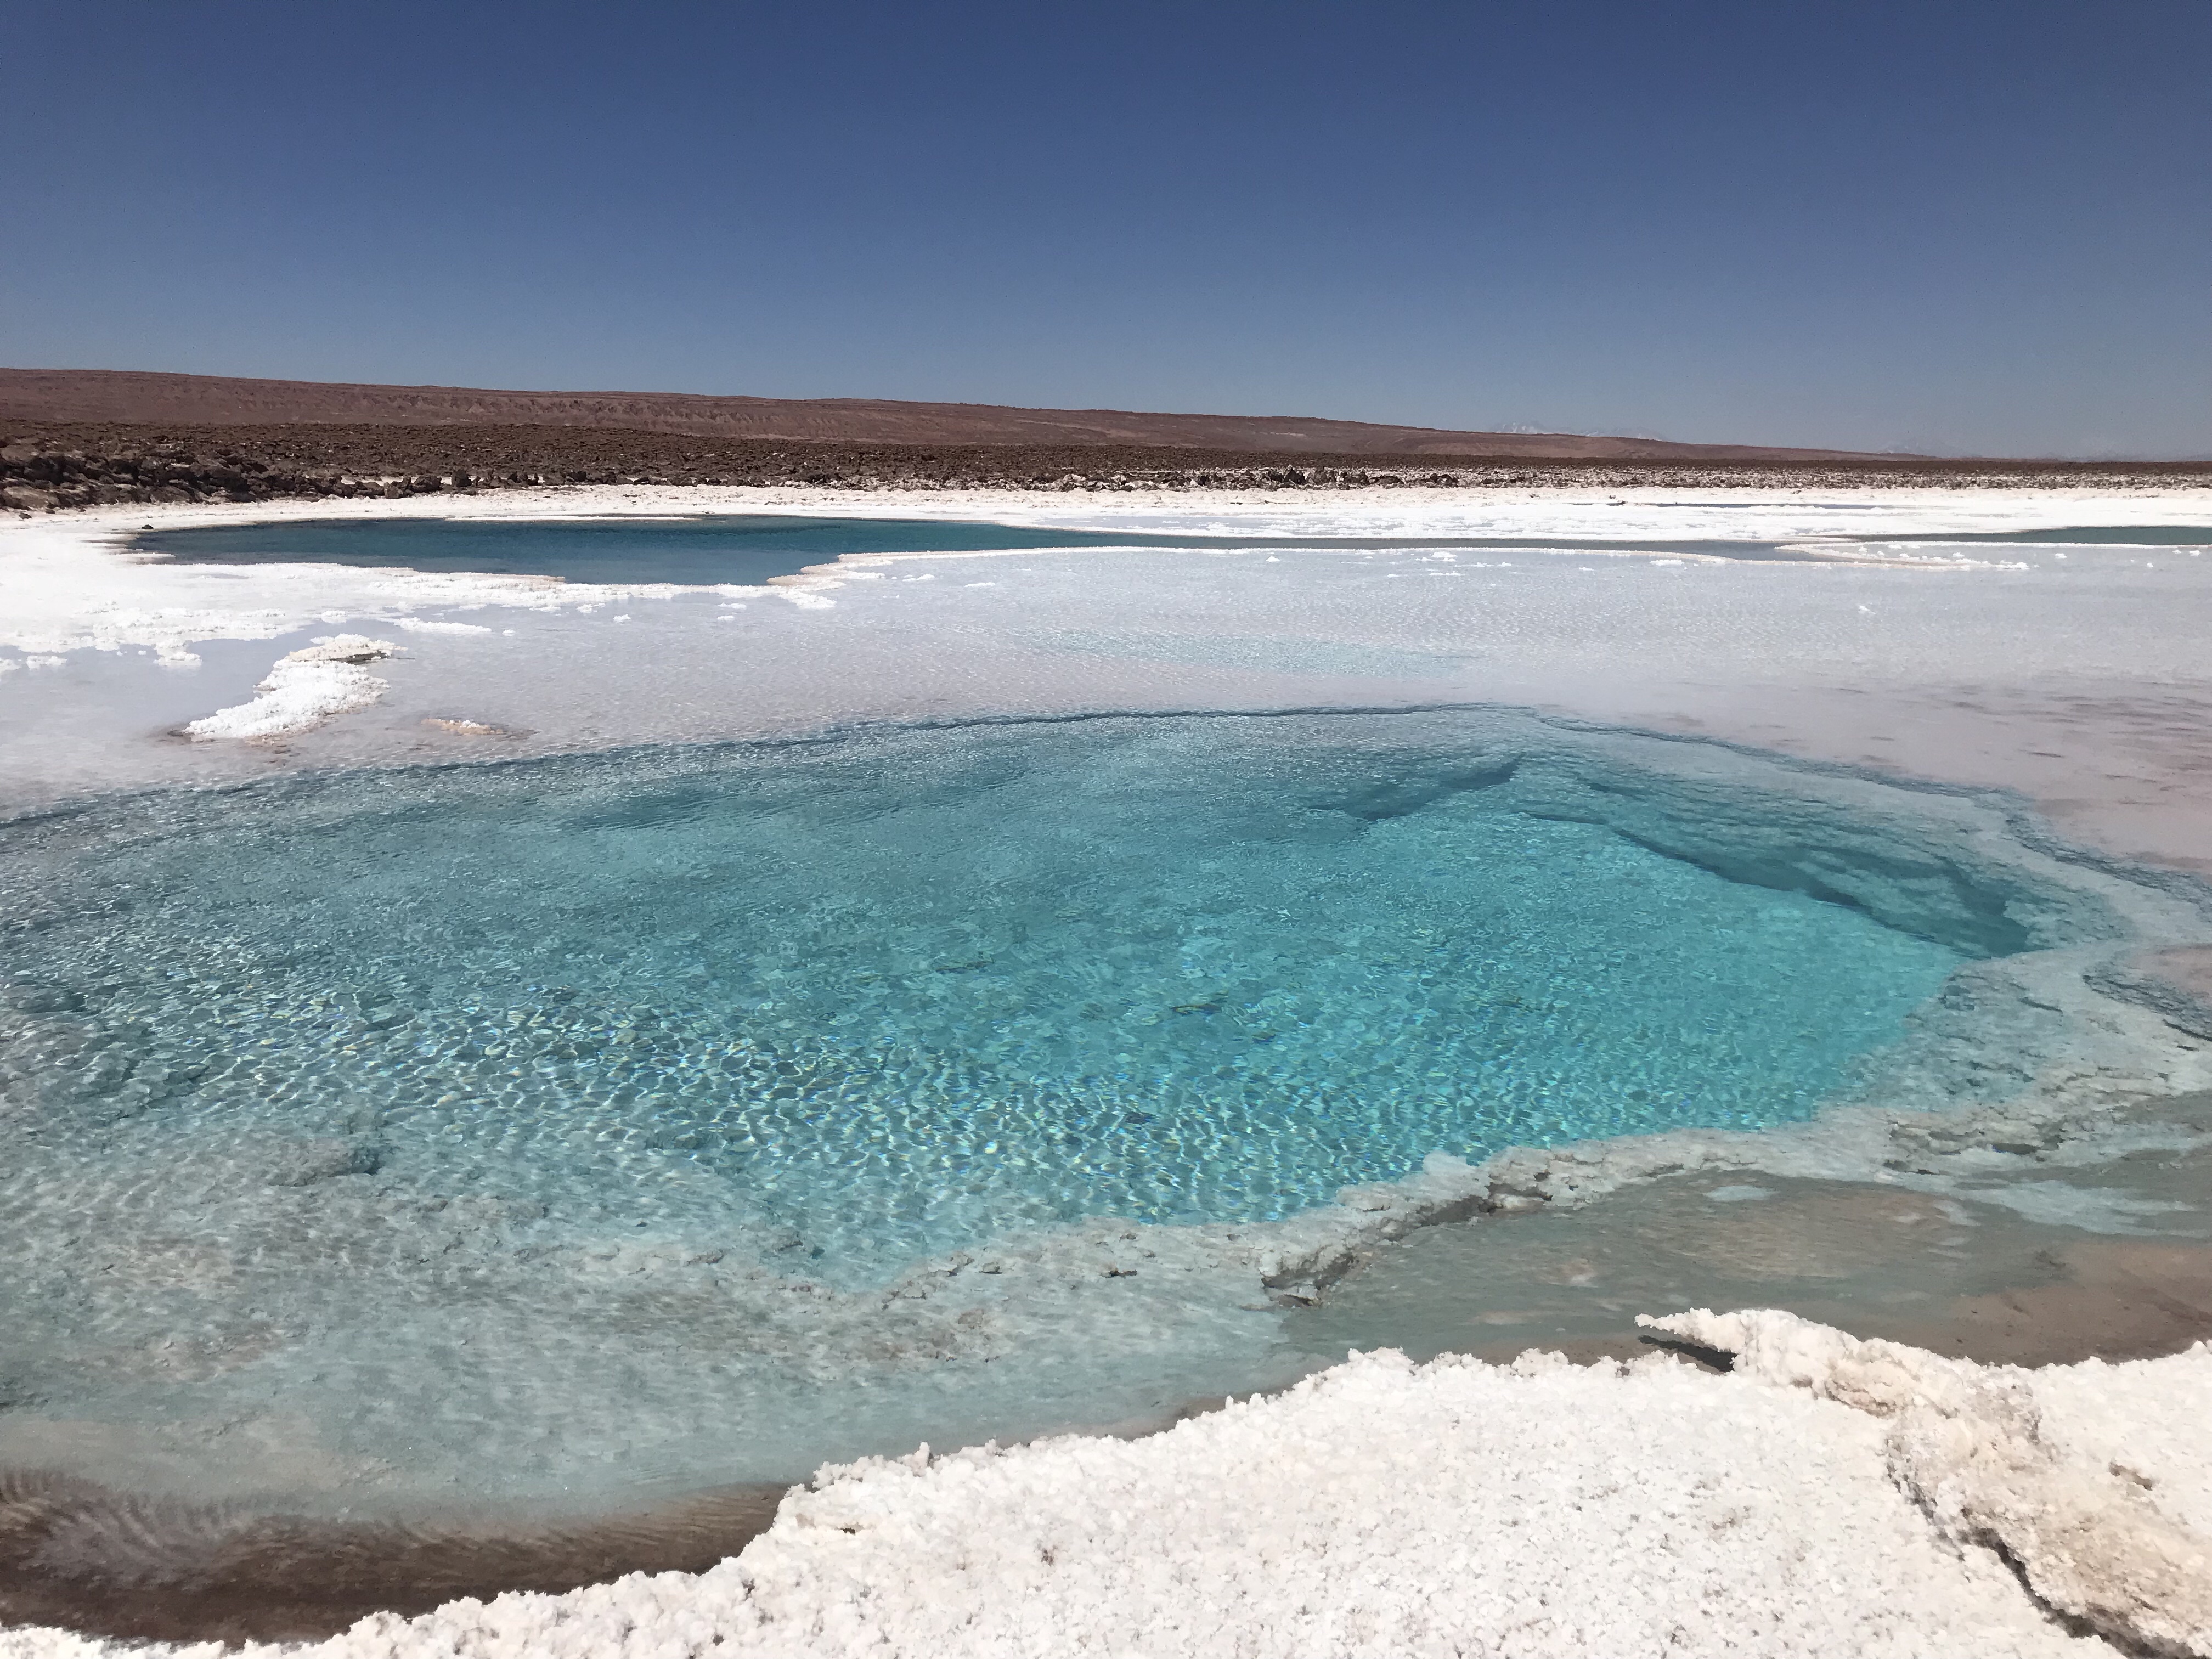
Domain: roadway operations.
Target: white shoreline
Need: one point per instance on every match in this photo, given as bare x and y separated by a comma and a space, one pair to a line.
42, 560
1985, 718
1829, 1497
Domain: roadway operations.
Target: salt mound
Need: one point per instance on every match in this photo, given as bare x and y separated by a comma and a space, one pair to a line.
303, 690
2094, 1478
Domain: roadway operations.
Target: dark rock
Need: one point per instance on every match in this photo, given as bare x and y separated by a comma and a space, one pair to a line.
30, 996
307, 1162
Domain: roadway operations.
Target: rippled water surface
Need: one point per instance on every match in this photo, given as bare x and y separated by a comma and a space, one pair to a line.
893, 995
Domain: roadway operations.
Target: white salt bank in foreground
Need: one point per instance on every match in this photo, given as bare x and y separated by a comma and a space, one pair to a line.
1829, 1497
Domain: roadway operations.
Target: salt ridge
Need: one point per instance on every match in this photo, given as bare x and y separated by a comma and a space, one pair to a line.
305, 689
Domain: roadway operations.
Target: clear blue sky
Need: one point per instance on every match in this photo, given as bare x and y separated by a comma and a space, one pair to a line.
1966, 227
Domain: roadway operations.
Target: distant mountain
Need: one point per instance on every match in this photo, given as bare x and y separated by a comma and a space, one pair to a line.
111, 395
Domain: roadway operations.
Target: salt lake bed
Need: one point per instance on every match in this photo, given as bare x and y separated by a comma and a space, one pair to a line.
494, 1052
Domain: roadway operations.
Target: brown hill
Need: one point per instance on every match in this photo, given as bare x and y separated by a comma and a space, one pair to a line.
110, 395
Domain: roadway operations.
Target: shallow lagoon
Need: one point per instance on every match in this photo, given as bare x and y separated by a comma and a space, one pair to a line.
742, 549
527, 1121
904, 992
709, 550
313, 1313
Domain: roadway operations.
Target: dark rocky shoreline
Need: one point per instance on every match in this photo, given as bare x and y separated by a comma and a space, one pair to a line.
48, 465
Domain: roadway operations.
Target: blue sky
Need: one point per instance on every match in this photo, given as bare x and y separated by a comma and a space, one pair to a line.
1969, 228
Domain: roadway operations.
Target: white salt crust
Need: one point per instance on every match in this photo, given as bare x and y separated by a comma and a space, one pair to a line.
418, 625
305, 689
68, 587
2080, 682
2092, 1478
1830, 1496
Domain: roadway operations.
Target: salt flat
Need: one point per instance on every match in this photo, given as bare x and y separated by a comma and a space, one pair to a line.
2077, 681
1375, 1508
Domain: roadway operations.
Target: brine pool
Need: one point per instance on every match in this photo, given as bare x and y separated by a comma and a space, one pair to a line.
749, 548
682, 1114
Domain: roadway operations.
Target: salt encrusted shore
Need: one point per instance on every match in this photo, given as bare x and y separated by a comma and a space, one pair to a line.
2095, 702
1827, 1497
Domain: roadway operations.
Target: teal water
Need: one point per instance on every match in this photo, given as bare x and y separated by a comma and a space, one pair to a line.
2127, 535
894, 994
742, 549
746, 548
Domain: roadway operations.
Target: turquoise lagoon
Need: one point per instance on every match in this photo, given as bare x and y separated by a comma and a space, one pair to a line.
903, 992
530, 1125
743, 548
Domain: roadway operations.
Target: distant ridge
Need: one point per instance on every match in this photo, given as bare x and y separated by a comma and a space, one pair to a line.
131, 396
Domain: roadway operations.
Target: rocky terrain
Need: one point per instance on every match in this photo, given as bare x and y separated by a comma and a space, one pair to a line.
45, 465
62, 394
